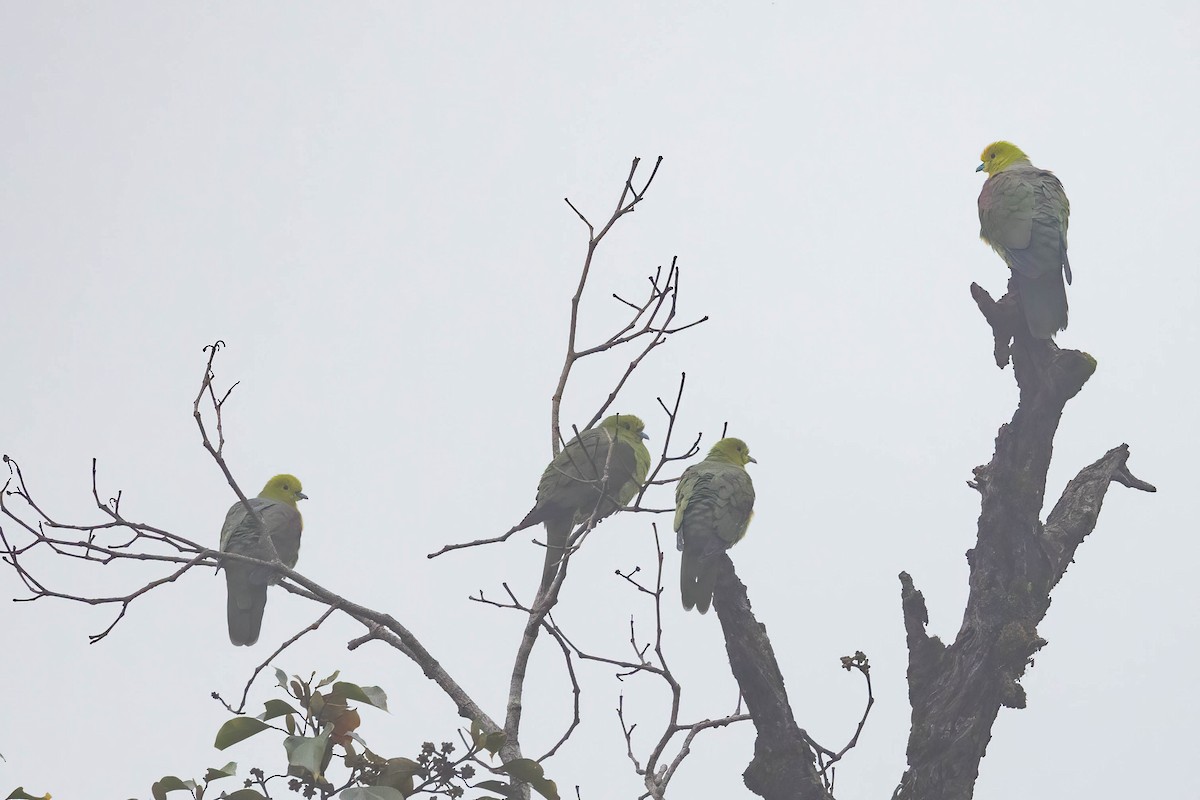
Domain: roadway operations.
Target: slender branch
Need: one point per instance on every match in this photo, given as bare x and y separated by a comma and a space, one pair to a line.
547, 599
449, 548
263, 665
665, 457
628, 200
217, 453
668, 296
826, 758
206, 388
656, 774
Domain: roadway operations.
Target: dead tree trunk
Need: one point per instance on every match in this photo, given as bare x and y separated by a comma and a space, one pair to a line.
784, 765
956, 691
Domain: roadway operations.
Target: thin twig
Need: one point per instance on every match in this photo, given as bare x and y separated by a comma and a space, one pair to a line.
628, 200
826, 758
257, 670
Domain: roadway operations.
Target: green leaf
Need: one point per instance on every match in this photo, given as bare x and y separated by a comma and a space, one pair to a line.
525, 770
371, 695
505, 789
281, 676
226, 771
477, 734
160, 787
245, 794
403, 766
546, 788
494, 741
330, 679
308, 751
237, 729
20, 794
398, 773
371, 793
290, 723
276, 708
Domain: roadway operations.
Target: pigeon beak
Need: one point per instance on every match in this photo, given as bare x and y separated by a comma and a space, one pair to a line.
644, 435
301, 496
752, 459
979, 168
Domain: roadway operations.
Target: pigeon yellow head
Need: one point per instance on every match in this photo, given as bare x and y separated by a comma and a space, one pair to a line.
735, 451
284, 488
999, 156
627, 424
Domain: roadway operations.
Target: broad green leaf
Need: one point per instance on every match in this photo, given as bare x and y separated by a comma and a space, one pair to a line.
398, 782
546, 788
371, 695
237, 729
477, 734
494, 741
226, 771
307, 751
245, 794
524, 770
20, 794
398, 773
330, 679
403, 766
505, 789
276, 708
290, 723
281, 676
168, 783
371, 793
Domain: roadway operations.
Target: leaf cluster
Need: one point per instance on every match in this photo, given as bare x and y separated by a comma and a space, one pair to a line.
318, 723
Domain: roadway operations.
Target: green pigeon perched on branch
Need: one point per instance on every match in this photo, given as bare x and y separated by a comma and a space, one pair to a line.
714, 502
1023, 215
584, 481
245, 583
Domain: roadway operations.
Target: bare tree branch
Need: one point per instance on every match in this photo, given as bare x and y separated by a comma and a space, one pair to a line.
326, 614
660, 293
956, 691
784, 766
85, 545
826, 758
658, 768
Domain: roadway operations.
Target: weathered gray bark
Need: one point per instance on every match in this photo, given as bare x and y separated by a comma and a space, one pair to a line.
956, 691
784, 766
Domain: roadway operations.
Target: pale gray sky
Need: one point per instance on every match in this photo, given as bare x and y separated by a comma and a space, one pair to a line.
365, 202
